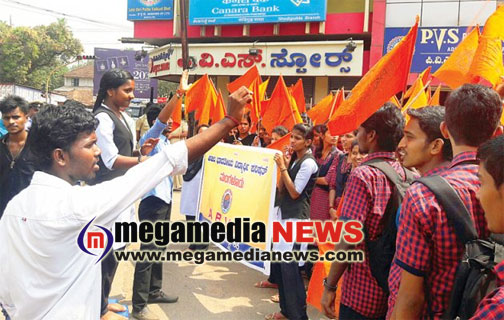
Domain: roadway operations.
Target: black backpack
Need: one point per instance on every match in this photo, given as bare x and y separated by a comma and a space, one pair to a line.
475, 277
381, 251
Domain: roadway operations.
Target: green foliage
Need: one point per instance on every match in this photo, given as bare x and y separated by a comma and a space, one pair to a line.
29, 55
166, 87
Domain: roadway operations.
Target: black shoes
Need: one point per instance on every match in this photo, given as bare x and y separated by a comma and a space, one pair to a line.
161, 297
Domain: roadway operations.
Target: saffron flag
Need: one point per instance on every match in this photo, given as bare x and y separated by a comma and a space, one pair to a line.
487, 62
395, 101
197, 92
219, 111
297, 92
387, 77
281, 143
454, 70
425, 75
279, 110
177, 115
418, 97
494, 27
245, 80
435, 100
323, 110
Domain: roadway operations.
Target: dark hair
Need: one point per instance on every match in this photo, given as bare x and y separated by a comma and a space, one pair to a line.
111, 79
306, 132
9, 103
472, 114
429, 120
74, 103
280, 130
388, 123
152, 113
247, 117
35, 105
354, 143
322, 129
491, 154
57, 127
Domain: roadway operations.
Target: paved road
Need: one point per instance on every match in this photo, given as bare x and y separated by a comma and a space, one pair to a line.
208, 291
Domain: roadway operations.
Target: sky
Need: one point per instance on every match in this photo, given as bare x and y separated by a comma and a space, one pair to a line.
109, 16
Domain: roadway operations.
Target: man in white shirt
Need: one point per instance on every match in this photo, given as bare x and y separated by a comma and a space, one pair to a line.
44, 274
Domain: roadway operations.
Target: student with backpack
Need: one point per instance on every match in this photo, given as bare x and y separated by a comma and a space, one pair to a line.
491, 196
425, 149
370, 186
430, 256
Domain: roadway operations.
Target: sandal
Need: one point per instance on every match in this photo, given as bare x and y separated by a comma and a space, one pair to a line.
275, 298
275, 316
265, 284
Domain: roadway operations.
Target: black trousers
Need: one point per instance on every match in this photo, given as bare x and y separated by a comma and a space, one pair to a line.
291, 290
148, 276
347, 313
194, 246
109, 267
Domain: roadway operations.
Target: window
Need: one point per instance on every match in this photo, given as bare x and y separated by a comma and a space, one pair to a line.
75, 82
438, 13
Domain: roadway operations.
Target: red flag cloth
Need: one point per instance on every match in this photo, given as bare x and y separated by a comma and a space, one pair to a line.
245, 80
383, 80
197, 93
454, 70
298, 94
279, 109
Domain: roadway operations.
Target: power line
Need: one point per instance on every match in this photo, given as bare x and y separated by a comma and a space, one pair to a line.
70, 16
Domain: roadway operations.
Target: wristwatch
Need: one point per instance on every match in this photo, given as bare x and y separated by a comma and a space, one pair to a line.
329, 287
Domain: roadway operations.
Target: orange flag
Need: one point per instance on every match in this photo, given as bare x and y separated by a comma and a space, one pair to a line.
323, 110
435, 100
279, 110
454, 70
197, 93
262, 89
281, 143
487, 62
177, 115
206, 107
418, 97
387, 77
494, 22
219, 110
255, 106
395, 101
425, 75
245, 80
298, 94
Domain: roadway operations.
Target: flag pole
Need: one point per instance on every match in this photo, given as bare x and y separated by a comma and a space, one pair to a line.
417, 96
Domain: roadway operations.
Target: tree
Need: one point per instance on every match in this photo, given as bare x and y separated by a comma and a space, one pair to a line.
28, 55
166, 87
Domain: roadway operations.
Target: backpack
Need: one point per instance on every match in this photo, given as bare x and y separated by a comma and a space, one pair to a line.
475, 277
381, 251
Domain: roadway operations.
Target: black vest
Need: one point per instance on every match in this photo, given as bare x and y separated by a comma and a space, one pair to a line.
123, 142
300, 207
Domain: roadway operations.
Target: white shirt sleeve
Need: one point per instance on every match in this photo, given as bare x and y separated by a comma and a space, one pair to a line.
105, 139
108, 199
308, 167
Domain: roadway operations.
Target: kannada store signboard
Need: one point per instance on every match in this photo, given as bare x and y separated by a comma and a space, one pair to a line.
222, 12
329, 58
433, 45
107, 59
150, 10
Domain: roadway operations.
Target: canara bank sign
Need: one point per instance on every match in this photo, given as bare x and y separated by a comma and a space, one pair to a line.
329, 58
222, 12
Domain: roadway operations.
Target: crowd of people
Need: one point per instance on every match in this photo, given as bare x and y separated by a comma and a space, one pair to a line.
58, 174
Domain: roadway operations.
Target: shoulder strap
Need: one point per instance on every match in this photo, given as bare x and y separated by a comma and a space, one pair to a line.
457, 213
387, 169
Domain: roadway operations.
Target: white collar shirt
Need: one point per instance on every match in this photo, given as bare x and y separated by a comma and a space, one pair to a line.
43, 273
